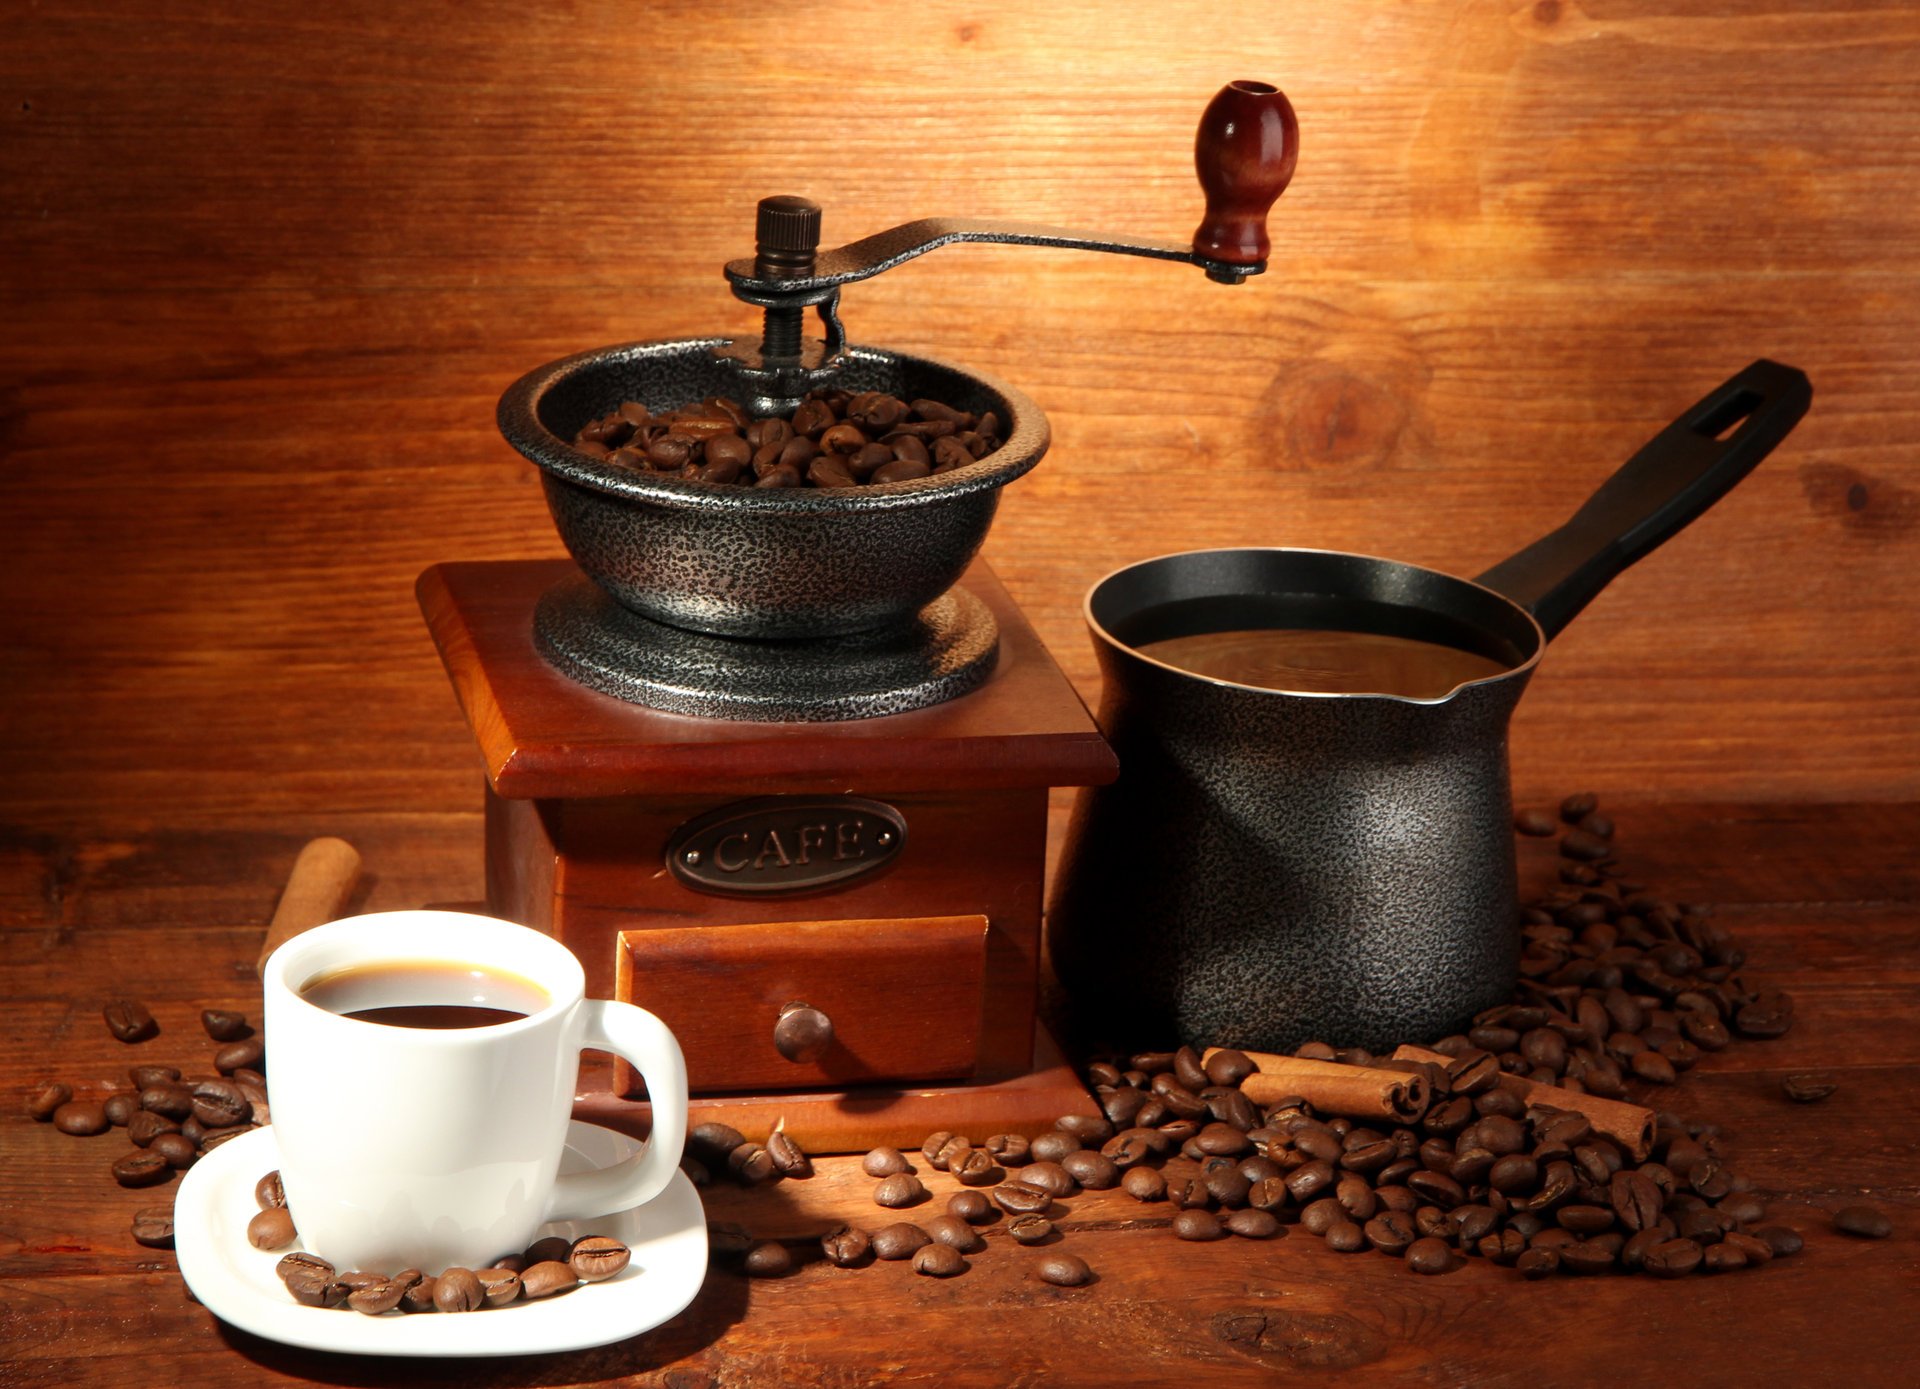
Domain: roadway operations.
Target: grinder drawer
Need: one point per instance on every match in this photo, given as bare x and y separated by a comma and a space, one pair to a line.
890, 1000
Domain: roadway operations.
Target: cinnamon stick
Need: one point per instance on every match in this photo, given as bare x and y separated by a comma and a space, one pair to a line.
1358, 1092
1629, 1125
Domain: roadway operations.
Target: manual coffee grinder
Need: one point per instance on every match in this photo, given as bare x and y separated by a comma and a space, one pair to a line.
775, 763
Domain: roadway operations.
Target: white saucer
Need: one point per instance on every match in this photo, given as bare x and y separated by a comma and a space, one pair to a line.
236, 1282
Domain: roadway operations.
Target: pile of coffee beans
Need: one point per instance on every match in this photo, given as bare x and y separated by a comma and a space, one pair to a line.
547, 1266
833, 438
171, 1119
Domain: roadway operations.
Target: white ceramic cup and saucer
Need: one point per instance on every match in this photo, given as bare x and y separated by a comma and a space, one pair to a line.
435, 1146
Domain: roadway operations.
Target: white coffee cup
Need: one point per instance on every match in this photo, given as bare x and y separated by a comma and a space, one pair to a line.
429, 1148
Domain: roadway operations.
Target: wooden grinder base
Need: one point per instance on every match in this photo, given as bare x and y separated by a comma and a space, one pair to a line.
927, 965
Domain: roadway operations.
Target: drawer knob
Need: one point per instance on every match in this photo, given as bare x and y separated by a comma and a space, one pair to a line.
802, 1033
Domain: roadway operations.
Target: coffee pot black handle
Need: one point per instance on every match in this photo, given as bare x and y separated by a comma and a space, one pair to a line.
1682, 471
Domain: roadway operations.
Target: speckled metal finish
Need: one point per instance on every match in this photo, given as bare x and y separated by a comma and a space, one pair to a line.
1274, 868
735, 561
946, 650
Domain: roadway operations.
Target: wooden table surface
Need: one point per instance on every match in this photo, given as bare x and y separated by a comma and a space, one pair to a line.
264, 273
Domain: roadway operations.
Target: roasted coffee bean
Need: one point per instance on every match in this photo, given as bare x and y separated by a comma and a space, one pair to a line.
42, 1103
1252, 1224
1754, 1250
711, 1142
301, 1262
1744, 1208
1306, 1182
1767, 1016
938, 1261
1054, 1145
1144, 1184
899, 1191
1129, 1148
499, 1283
1189, 1191
81, 1118
1538, 1263
977, 1167
725, 1240
1784, 1241
1635, 1199
1007, 1149
1674, 1259
1515, 1175
953, 1151
1391, 1231
244, 1055
1229, 1067
376, 1298
1586, 1258
268, 1193
1269, 1194
1808, 1088
546, 1277
1472, 1224
952, 1230
1535, 823
1194, 1224
1050, 1177
1584, 846
1063, 1270
597, 1257
271, 1229
224, 1026
934, 1142
1317, 1217
153, 1227
120, 1108
1030, 1229
1577, 807
172, 1100
786, 1156
142, 1167
1091, 1170
1345, 1237
174, 1149
972, 1206
1090, 1129
129, 1020
218, 1104
844, 1246
899, 1241
145, 1077
1021, 1198
885, 1162
457, 1290
311, 1291
749, 1162
1505, 1247
1867, 1222
1429, 1256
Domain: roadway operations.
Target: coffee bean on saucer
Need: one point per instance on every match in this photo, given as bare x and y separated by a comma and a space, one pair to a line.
419, 1294
885, 1162
311, 1291
899, 1191
129, 1020
213, 1138
598, 1257
268, 1193
939, 1261
271, 1229
1062, 1270
1867, 1222
142, 1167
153, 1227
845, 1246
81, 1118
512, 1263
972, 1206
547, 1277
243, 1055
552, 1249
224, 1026
1808, 1088
312, 1265
952, 1230
901, 1240
376, 1298
787, 1157
1195, 1224
501, 1285
43, 1102
1030, 1229
457, 1290
361, 1278
145, 1077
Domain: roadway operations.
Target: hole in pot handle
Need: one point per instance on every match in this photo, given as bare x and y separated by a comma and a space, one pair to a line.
1681, 471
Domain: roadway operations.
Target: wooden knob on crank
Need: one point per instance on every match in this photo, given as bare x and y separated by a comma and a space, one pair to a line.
803, 1032
1245, 152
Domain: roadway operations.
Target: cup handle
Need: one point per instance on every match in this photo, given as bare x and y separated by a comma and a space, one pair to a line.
640, 1038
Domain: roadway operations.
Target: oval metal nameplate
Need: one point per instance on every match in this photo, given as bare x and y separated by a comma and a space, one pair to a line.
779, 844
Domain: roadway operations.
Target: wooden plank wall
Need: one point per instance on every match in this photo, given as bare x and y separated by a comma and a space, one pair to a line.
265, 269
